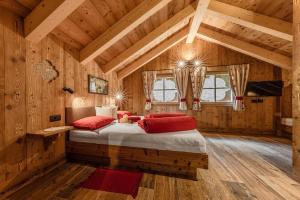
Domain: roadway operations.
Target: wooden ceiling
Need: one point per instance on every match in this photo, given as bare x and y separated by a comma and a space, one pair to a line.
94, 17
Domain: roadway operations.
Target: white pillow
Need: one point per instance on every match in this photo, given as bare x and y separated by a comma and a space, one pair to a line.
110, 111
114, 110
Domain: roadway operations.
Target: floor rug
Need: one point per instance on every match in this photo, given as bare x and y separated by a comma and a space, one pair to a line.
111, 180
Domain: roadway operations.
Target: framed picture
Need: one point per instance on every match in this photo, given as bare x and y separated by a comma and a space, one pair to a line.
98, 85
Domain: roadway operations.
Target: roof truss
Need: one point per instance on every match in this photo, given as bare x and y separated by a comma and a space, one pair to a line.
153, 53
46, 16
152, 39
50, 13
249, 19
245, 48
272, 27
129, 22
197, 19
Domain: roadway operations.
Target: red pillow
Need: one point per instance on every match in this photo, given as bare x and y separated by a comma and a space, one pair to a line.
123, 112
93, 123
168, 124
161, 115
134, 118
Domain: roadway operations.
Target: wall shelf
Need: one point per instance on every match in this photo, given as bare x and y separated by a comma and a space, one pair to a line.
49, 135
51, 131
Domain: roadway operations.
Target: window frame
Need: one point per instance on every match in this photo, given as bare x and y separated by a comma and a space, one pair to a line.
217, 103
163, 90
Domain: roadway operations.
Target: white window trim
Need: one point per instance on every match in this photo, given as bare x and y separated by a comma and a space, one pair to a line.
165, 102
217, 103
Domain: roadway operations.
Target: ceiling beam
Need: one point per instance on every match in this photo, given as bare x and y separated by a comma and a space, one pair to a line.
15, 7
250, 19
129, 22
245, 48
197, 19
46, 16
153, 53
155, 37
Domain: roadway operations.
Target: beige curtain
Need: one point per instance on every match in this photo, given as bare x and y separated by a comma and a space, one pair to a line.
148, 82
197, 77
238, 79
182, 77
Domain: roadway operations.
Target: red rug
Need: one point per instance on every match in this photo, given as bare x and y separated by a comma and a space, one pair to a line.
110, 180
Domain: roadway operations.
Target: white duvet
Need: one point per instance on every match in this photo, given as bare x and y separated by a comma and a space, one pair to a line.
132, 135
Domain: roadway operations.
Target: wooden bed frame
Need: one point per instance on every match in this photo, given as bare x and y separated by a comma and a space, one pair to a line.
172, 163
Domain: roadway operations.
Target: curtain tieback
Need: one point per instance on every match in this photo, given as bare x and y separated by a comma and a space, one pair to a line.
183, 100
239, 98
148, 100
196, 100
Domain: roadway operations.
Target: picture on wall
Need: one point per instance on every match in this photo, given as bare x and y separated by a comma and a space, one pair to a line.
98, 85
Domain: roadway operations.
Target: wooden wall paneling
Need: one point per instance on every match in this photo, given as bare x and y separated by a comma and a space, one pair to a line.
2, 104
27, 101
15, 124
33, 90
54, 96
296, 87
89, 69
34, 104
286, 107
71, 64
101, 99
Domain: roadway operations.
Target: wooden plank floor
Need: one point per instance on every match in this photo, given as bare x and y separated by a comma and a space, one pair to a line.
240, 168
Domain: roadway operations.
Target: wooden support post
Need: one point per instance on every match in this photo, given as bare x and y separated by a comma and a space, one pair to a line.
296, 88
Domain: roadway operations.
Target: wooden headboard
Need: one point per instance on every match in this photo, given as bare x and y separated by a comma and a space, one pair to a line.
73, 114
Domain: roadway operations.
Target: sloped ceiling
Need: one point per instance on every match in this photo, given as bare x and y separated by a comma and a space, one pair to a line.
93, 17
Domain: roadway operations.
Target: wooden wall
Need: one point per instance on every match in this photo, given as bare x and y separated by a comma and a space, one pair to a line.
286, 102
26, 101
258, 118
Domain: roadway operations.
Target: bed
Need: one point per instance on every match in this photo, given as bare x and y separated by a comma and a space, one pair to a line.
128, 145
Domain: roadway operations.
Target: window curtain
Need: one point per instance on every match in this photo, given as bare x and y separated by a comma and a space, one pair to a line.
182, 77
148, 82
197, 77
238, 80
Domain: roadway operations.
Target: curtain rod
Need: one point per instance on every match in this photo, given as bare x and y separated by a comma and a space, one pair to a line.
206, 66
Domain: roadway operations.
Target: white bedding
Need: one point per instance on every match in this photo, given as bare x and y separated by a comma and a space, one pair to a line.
132, 135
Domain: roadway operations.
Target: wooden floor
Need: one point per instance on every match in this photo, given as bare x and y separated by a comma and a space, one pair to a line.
240, 168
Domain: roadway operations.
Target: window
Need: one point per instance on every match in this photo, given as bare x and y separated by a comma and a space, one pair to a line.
165, 90
217, 88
